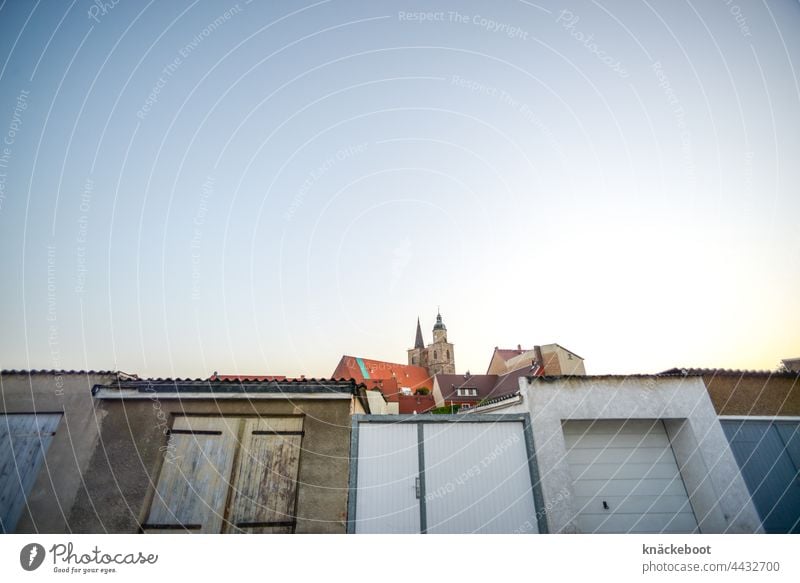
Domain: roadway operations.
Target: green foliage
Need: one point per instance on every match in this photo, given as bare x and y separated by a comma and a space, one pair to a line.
446, 410
423, 391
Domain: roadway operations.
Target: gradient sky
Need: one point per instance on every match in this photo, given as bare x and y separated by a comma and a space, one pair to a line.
189, 187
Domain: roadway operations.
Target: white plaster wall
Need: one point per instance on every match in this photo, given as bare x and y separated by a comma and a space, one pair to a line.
717, 491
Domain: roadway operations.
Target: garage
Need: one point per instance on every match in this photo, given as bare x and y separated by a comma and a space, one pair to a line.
24, 439
769, 454
444, 474
625, 478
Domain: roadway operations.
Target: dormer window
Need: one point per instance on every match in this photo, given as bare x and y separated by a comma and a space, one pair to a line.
467, 392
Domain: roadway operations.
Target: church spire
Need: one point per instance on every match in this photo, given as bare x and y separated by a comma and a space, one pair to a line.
419, 343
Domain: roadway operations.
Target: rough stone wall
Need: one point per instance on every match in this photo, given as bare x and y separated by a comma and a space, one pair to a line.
441, 363
743, 394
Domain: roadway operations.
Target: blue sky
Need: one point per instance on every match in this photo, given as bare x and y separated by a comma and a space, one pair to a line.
193, 186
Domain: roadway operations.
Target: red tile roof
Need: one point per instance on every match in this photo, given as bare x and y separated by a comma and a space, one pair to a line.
389, 377
267, 378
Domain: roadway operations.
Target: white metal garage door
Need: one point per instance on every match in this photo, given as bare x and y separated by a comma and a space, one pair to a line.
625, 478
442, 475
477, 479
388, 470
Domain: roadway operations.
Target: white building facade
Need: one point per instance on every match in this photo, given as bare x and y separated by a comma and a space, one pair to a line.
637, 453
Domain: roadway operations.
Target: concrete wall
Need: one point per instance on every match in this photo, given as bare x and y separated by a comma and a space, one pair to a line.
125, 466
59, 481
718, 494
754, 394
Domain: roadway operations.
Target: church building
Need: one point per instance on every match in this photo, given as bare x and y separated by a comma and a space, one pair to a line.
437, 358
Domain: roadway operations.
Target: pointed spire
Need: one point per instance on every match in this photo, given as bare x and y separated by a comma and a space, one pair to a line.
419, 343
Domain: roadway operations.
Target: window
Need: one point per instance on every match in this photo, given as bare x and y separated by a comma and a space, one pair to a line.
435, 356
448, 354
228, 474
467, 392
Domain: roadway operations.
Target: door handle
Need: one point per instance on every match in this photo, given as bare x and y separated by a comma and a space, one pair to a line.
417, 486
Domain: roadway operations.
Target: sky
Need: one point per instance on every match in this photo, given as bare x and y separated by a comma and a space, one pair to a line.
190, 187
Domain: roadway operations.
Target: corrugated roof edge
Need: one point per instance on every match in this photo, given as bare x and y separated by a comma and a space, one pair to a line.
550, 378
230, 386
66, 372
727, 372
505, 397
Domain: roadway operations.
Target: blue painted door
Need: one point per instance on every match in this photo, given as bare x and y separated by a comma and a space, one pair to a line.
768, 452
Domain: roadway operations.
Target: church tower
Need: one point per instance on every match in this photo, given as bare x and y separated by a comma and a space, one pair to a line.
418, 356
441, 358
437, 357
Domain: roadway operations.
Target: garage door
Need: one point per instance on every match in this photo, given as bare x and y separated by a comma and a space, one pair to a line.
388, 479
768, 453
442, 474
625, 478
24, 440
477, 479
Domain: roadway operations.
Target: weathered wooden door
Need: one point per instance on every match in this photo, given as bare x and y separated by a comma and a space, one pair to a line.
224, 474
195, 477
24, 440
265, 484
